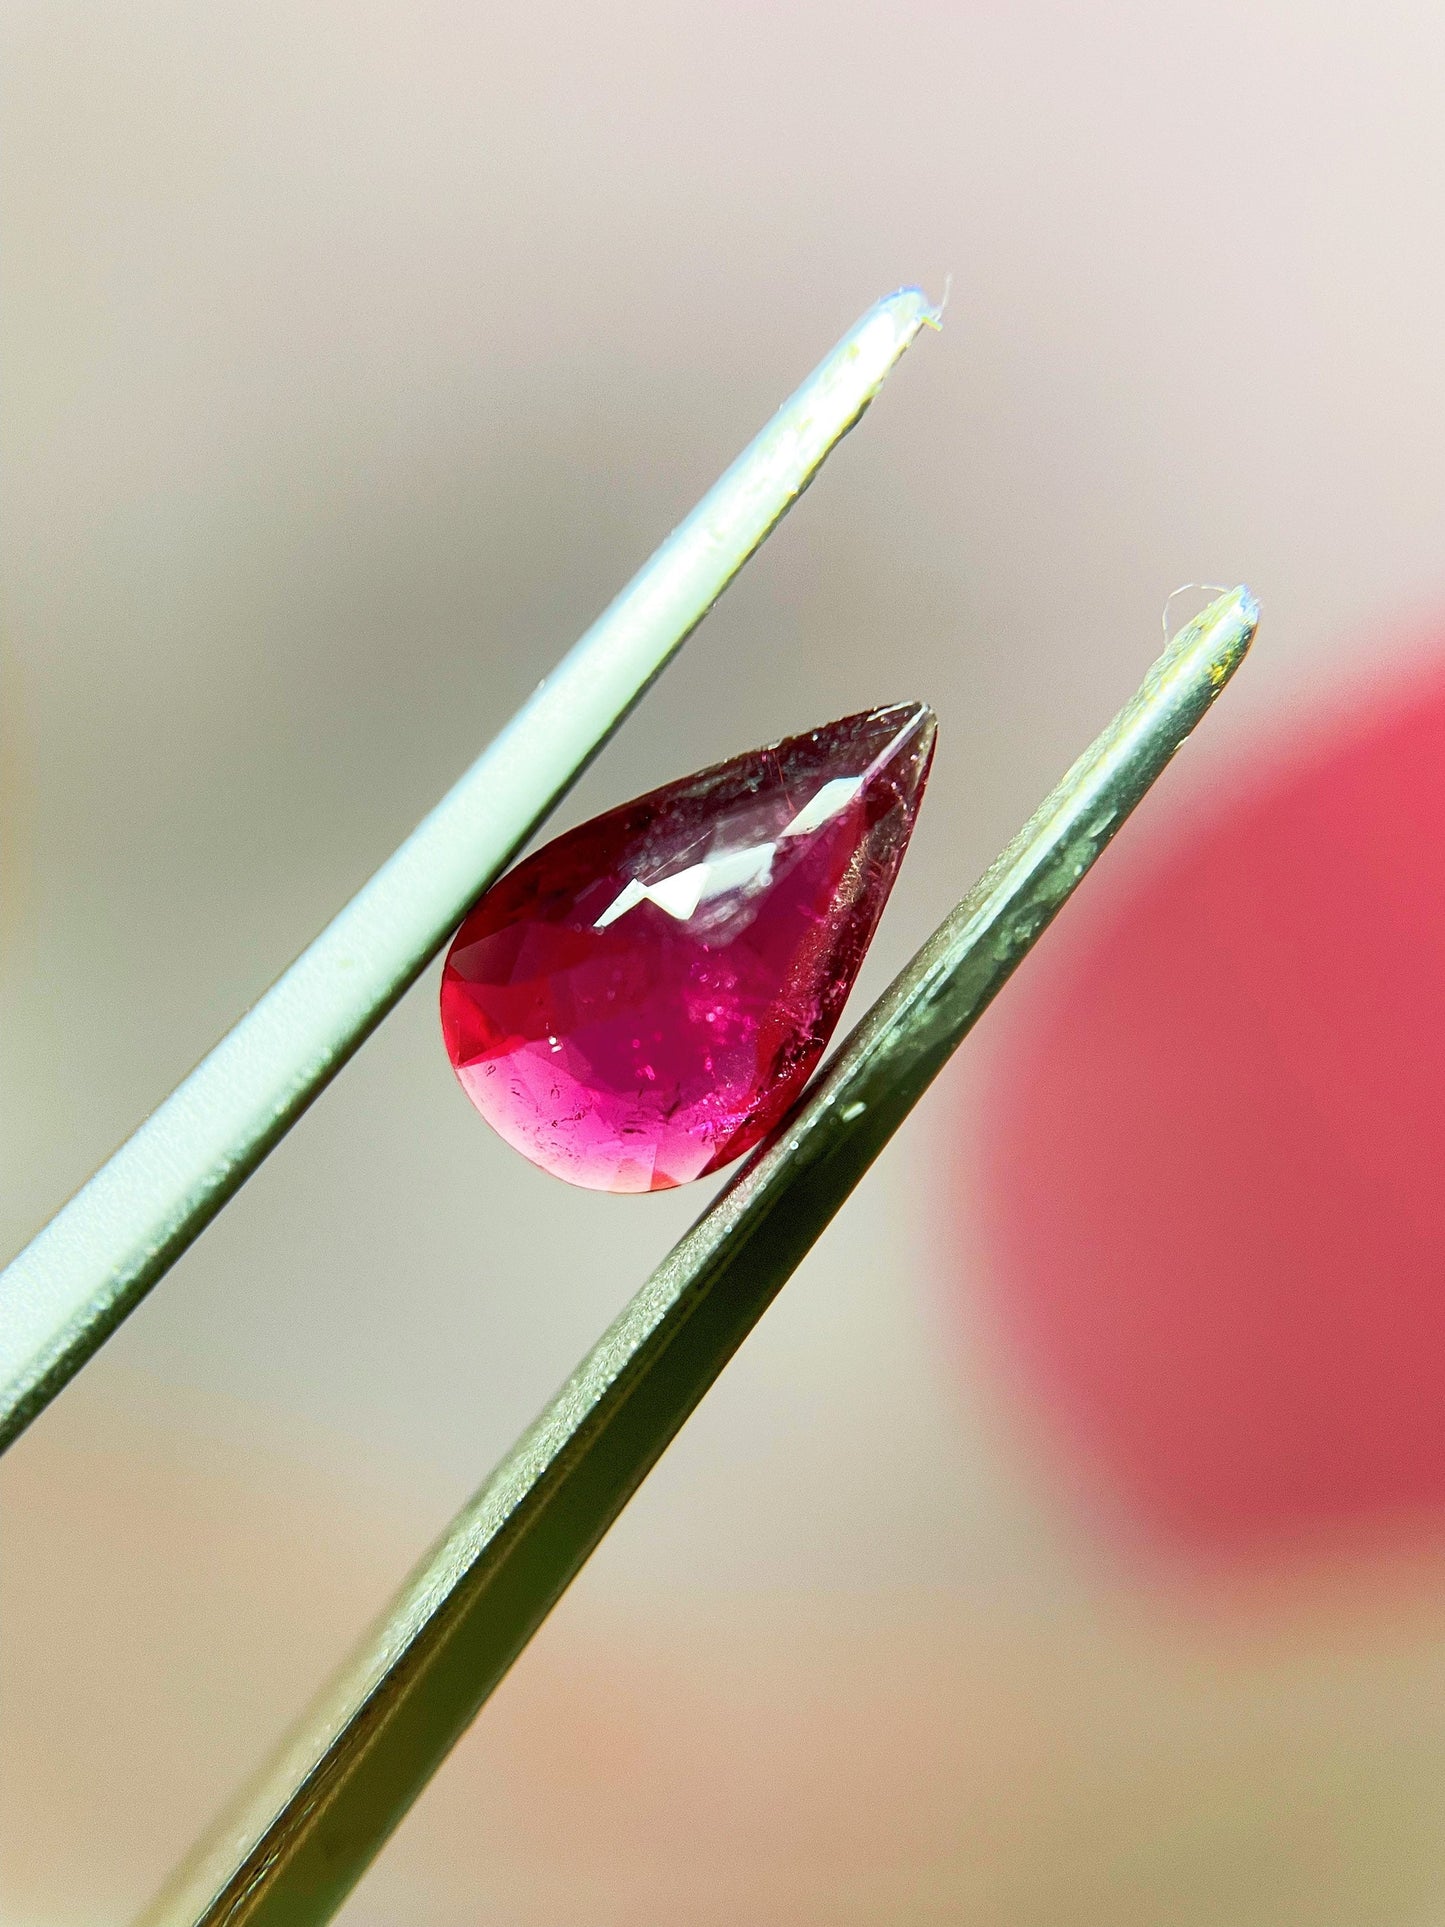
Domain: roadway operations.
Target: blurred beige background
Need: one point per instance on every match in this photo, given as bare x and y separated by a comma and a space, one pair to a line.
354, 356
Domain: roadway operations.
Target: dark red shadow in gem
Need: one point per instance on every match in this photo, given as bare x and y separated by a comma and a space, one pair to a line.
1214, 1159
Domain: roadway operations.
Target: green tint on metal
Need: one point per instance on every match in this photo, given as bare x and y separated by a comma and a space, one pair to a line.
65, 1293
305, 1834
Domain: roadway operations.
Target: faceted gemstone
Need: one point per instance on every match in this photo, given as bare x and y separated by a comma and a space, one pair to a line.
642, 1000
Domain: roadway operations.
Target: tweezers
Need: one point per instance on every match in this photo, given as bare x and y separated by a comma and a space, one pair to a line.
299, 1840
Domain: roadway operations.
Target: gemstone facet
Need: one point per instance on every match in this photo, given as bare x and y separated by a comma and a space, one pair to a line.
640, 1002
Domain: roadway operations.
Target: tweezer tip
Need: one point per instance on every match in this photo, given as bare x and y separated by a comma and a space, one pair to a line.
1239, 608
1218, 639
914, 308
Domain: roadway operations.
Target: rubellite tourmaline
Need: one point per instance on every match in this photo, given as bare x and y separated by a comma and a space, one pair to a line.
641, 1001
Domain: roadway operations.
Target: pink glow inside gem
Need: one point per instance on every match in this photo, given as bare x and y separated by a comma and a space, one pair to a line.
642, 1000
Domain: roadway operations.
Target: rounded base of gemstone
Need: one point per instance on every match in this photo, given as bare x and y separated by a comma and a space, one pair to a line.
641, 1001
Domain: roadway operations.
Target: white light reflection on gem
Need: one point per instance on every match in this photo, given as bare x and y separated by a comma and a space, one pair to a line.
680, 895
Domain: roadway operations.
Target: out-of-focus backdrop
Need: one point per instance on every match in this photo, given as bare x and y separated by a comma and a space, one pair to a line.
1064, 1546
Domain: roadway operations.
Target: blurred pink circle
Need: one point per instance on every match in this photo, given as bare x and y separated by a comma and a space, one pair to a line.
1215, 1162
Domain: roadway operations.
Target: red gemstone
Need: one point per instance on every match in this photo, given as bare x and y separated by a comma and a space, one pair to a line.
641, 1001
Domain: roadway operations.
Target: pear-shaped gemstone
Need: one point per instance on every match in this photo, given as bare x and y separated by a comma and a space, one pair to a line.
640, 1001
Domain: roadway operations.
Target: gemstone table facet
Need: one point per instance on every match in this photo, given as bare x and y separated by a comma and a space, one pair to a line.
642, 1000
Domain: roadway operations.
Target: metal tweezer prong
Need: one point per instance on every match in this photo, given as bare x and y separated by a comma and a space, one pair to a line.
67, 1291
312, 1824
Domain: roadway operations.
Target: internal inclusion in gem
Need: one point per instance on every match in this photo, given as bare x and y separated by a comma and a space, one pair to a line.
642, 1000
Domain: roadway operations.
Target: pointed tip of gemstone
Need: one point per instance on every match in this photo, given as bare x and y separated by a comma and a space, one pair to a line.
641, 1001
916, 724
